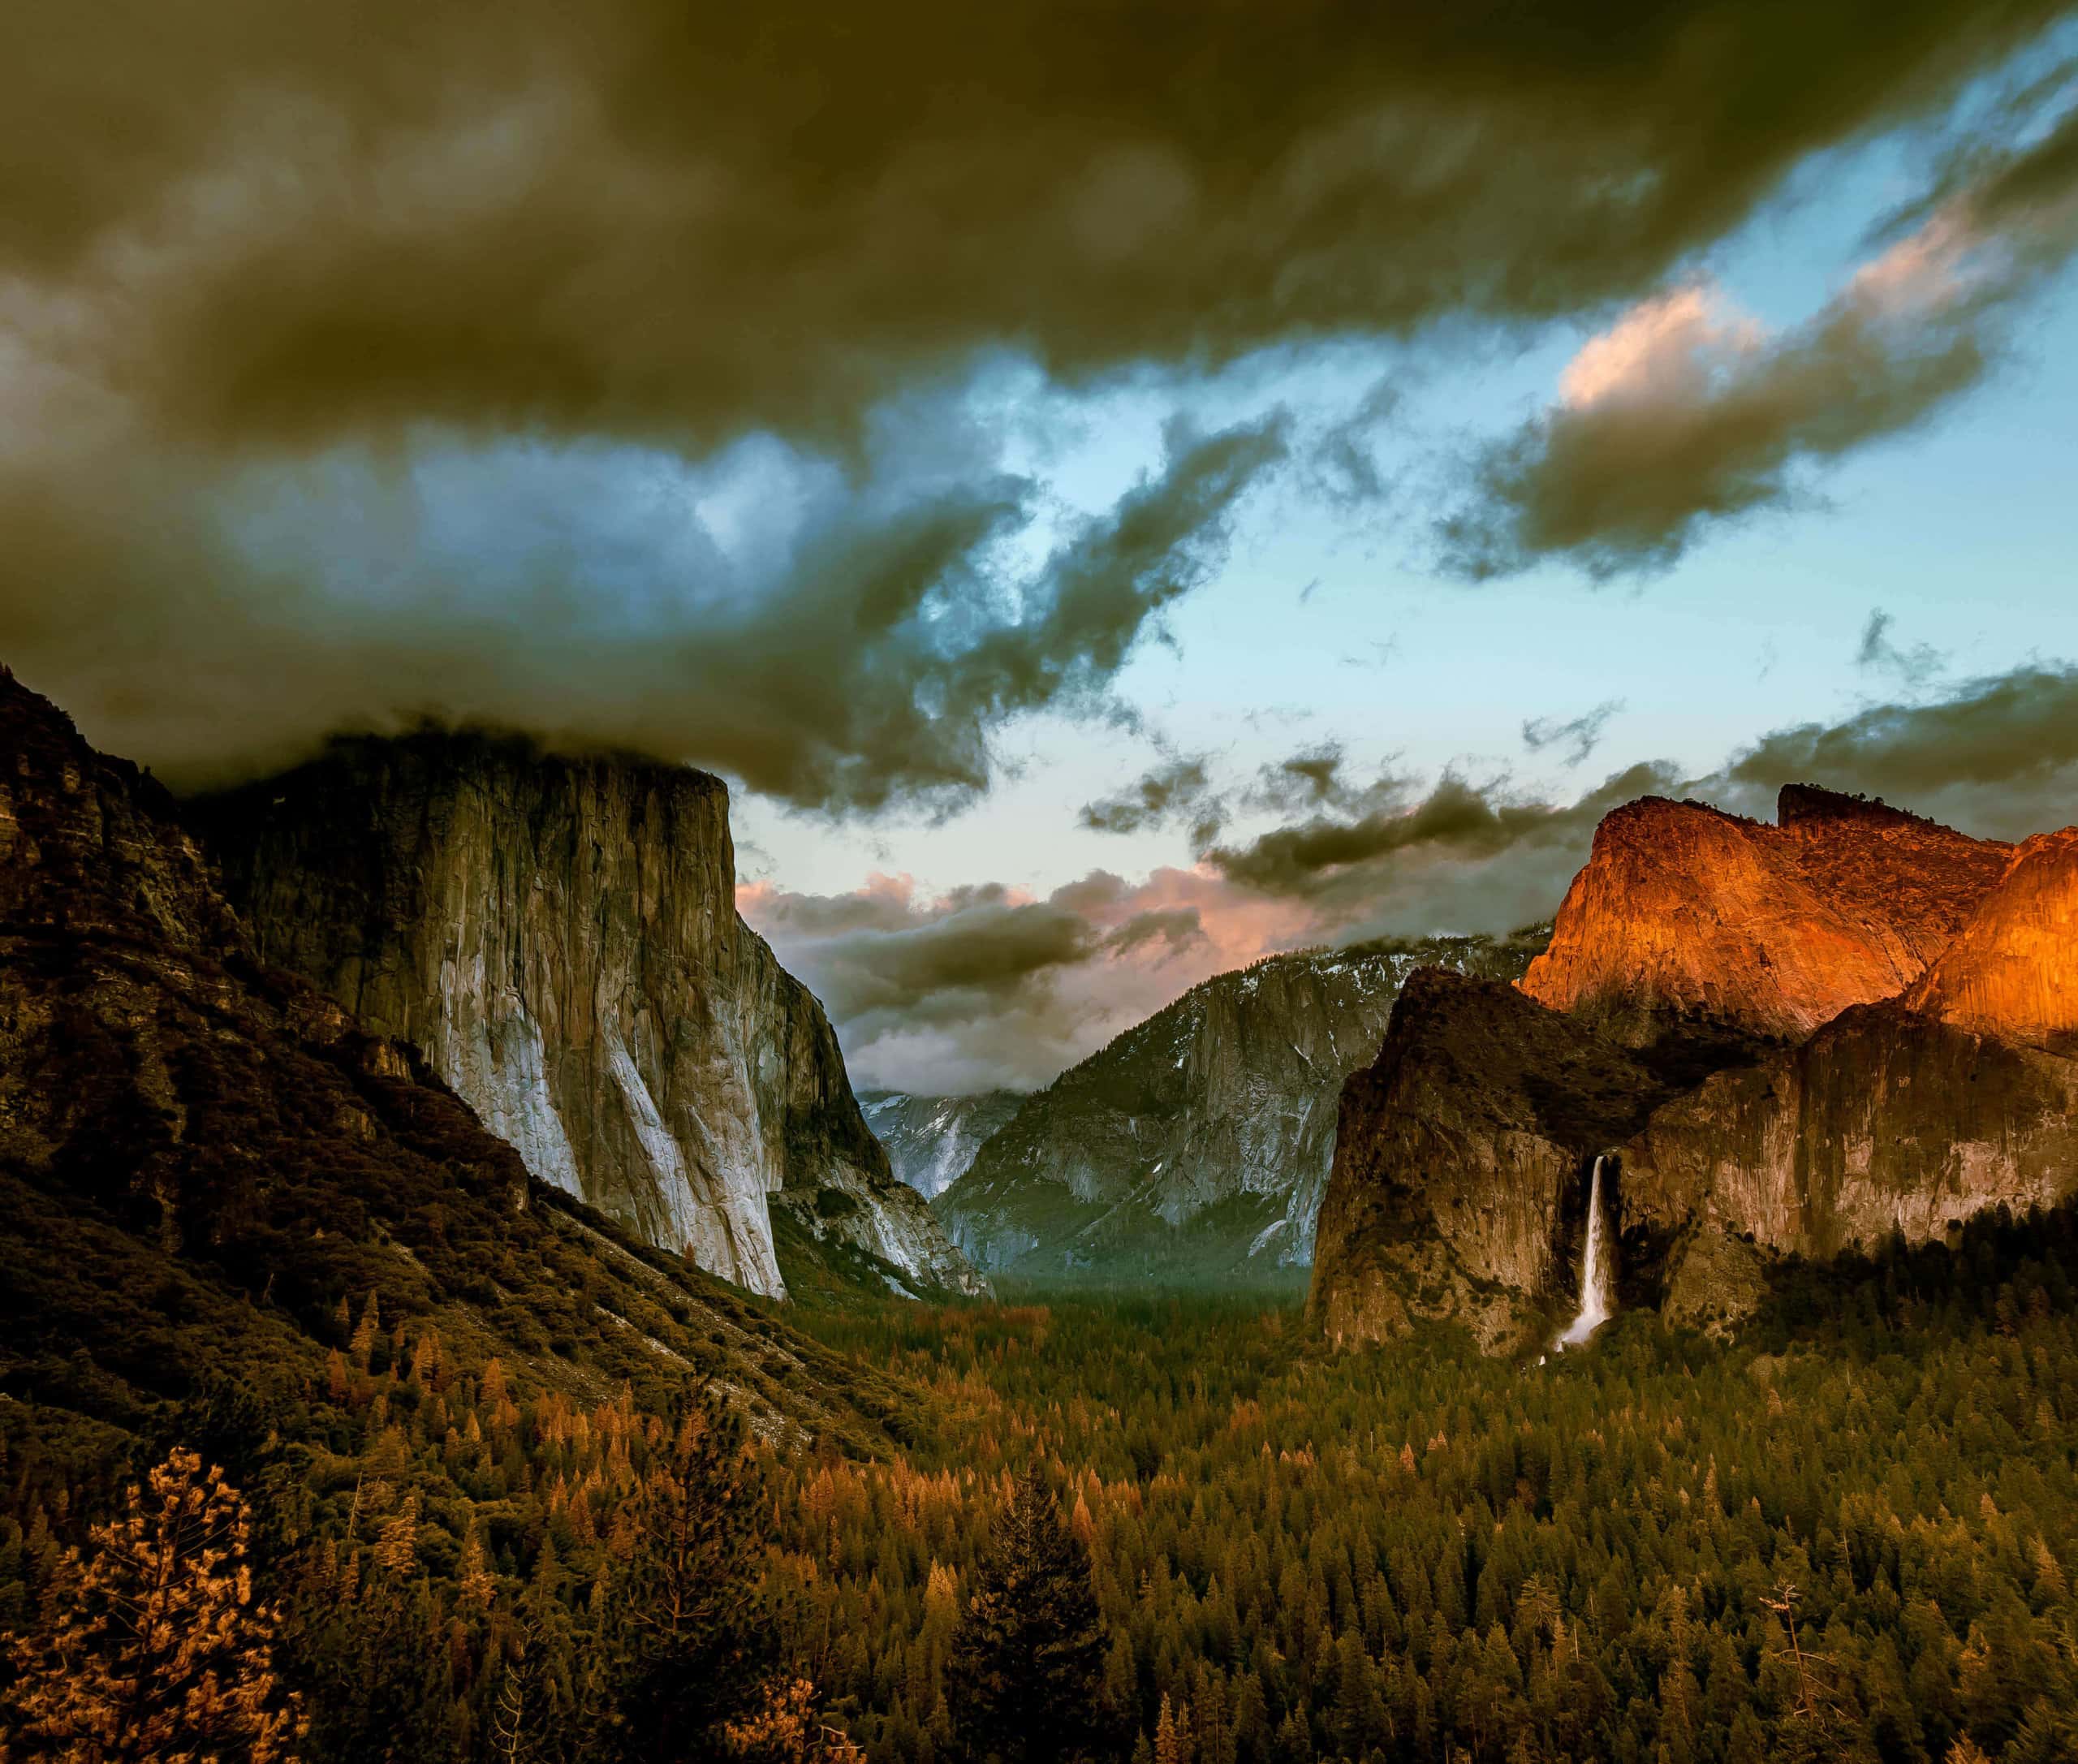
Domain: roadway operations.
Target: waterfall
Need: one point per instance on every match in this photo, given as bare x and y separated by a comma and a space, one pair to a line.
1596, 1303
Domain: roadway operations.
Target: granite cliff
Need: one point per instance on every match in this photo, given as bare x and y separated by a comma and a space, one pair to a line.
1200, 1141
1788, 1041
931, 1140
558, 935
1689, 924
202, 1157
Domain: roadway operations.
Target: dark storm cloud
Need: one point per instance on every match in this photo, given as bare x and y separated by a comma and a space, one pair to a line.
649, 219
1687, 413
573, 596
1996, 756
1175, 789
1576, 737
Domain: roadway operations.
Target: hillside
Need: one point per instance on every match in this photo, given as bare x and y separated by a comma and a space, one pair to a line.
1198, 1142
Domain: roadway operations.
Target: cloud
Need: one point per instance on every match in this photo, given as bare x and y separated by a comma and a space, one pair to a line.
1176, 789
613, 372
987, 986
1996, 756
1687, 413
664, 223
840, 640
1578, 738
1459, 854
1877, 653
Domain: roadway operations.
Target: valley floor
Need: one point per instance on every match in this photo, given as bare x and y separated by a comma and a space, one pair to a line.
1850, 1535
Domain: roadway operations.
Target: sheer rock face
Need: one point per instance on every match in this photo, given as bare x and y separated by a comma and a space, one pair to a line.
931, 1140
2013, 971
1789, 1040
559, 936
1688, 921
1201, 1140
1462, 1161
199, 1152
1886, 1120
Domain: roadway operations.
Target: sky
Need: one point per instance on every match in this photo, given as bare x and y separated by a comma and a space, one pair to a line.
1118, 491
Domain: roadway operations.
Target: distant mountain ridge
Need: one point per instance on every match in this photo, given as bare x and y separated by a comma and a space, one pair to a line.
1198, 1142
931, 1140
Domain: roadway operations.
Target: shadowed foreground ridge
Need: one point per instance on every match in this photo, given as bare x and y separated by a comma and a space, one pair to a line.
1793, 1041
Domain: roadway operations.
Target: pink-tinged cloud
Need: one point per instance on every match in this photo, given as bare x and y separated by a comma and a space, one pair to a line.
1685, 412
991, 985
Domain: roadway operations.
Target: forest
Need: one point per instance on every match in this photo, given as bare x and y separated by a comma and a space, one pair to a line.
1848, 1533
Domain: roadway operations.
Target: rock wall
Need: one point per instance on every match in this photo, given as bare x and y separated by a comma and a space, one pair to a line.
2013, 970
1688, 921
1791, 1040
559, 936
1200, 1141
1462, 1163
1887, 1119
931, 1140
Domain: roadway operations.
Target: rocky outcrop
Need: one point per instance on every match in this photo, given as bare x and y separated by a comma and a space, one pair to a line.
1688, 925
558, 935
931, 1140
1200, 1141
1886, 1120
2013, 971
1788, 1041
202, 1157
1462, 1161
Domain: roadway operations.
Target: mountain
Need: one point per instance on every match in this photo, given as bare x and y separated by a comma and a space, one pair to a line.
205, 1163
1455, 1188
1785, 1041
558, 935
1689, 923
1198, 1142
931, 1140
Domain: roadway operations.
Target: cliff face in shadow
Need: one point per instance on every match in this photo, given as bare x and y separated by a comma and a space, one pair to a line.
1788, 1041
1461, 1162
559, 936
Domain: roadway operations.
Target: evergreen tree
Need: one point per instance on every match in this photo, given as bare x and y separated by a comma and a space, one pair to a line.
693, 1645
155, 1647
1028, 1662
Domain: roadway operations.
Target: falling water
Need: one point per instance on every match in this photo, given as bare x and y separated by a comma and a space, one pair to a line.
1595, 1306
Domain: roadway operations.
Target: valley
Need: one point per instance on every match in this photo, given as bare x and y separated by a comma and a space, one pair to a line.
1646, 1336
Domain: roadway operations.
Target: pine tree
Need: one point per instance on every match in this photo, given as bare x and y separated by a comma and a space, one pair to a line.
155, 1648
1172, 1735
691, 1634
1027, 1662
